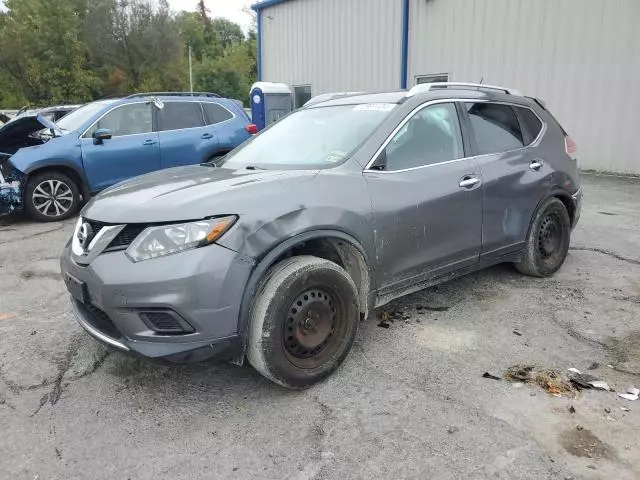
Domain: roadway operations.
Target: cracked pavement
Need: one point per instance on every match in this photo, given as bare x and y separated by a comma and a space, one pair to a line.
409, 402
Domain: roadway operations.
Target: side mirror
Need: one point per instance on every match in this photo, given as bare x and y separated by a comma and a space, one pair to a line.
101, 135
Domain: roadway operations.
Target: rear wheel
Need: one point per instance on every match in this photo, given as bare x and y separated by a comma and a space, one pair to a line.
51, 196
548, 240
303, 321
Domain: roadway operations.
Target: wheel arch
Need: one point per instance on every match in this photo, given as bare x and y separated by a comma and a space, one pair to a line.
560, 194
70, 170
333, 245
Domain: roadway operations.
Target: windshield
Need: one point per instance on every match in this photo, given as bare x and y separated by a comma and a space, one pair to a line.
77, 118
311, 138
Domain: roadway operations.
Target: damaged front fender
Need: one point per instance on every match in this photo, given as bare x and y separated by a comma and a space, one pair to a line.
12, 183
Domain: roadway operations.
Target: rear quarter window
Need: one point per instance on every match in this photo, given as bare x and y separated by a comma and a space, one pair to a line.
216, 113
531, 123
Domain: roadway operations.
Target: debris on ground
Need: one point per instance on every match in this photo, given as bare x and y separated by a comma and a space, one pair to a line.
385, 318
517, 332
632, 394
607, 410
552, 381
582, 380
625, 409
593, 366
574, 370
7, 316
579, 427
599, 384
572, 409
488, 375
453, 429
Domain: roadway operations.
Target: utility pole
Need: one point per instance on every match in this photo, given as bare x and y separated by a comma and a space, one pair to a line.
190, 71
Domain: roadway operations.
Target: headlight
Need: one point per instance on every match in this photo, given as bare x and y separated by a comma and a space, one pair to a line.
168, 239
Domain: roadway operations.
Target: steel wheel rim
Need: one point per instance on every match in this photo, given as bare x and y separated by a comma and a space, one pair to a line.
310, 334
549, 236
52, 198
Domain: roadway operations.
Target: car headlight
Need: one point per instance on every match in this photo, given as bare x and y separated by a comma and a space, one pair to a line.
165, 240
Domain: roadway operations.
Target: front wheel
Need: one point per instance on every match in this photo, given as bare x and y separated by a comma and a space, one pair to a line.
303, 321
51, 196
548, 240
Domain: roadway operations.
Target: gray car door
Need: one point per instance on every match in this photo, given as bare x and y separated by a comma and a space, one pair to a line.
515, 177
427, 200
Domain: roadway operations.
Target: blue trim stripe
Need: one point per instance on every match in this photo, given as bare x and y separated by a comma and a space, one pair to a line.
259, 34
266, 3
405, 44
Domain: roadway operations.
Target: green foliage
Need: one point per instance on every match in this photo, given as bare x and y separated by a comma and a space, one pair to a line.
72, 51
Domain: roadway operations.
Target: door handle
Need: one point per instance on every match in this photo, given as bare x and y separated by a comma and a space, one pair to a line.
536, 164
149, 141
469, 181
206, 136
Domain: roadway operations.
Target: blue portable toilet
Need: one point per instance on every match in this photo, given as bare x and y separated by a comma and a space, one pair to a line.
269, 102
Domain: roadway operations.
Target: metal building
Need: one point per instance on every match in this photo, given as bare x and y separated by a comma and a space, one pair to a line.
581, 56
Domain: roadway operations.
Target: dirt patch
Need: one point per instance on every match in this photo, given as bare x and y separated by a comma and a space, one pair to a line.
626, 351
583, 443
551, 381
447, 339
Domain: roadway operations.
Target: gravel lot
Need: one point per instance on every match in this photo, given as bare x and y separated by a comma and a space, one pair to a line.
409, 402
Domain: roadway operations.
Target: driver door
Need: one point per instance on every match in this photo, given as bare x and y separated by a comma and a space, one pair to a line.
427, 200
133, 149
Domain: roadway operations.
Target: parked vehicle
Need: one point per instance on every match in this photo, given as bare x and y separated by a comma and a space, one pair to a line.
336, 209
53, 166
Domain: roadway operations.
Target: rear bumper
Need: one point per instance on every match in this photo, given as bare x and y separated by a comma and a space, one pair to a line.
203, 288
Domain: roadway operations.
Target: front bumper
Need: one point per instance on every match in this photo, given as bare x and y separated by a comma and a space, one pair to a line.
203, 287
11, 187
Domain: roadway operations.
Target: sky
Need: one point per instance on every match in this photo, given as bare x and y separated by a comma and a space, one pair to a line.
231, 9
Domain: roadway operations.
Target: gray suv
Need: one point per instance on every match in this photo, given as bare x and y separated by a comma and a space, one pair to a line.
276, 252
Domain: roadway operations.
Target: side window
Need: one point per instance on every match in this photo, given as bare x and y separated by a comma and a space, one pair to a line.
179, 115
125, 120
216, 113
495, 127
431, 136
531, 122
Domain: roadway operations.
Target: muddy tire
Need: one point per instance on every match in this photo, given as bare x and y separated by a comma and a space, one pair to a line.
303, 321
51, 196
548, 240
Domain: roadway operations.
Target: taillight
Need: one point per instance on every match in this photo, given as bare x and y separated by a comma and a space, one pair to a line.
251, 129
570, 146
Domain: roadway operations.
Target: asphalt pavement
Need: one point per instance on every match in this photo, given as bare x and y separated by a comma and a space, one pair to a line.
409, 402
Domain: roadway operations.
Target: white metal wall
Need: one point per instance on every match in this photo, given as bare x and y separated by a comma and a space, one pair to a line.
581, 56
333, 45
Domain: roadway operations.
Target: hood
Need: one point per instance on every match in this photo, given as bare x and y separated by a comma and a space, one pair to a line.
189, 193
16, 133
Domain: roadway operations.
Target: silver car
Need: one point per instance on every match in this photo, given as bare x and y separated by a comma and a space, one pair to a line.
275, 253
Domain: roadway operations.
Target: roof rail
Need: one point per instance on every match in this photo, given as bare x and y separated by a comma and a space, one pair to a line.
426, 87
325, 97
174, 94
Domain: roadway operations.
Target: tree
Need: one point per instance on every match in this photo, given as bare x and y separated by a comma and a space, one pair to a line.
47, 56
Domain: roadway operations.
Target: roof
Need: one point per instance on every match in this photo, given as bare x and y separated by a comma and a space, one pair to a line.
259, 5
386, 97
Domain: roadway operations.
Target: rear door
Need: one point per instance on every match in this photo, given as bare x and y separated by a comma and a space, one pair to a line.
228, 126
184, 137
427, 201
133, 149
515, 178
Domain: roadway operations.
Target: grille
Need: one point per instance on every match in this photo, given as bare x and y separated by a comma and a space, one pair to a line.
165, 322
101, 321
127, 235
95, 226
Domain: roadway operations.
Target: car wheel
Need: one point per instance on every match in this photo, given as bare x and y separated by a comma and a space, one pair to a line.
548, 240
303, 321
51, 196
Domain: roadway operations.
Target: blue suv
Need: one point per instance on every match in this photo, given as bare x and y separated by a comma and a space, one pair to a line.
48, 169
